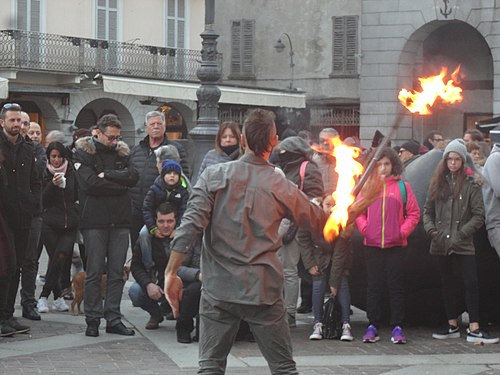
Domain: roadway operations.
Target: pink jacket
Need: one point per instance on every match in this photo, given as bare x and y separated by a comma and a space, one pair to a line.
383, 224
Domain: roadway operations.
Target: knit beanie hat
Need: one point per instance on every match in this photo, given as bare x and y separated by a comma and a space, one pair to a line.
170, 165
458, 146
411, 146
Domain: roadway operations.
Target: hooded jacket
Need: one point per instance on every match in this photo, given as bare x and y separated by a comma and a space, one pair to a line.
452, 223
104, 202
298, 151
383, 224
143, 159
491, 192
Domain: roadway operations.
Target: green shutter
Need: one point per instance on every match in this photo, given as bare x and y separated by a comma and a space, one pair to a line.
242, 48
345, 45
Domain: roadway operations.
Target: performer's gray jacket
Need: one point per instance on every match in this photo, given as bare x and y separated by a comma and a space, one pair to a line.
239, 205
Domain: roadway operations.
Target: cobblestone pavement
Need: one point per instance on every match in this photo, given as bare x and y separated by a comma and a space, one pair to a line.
57, 345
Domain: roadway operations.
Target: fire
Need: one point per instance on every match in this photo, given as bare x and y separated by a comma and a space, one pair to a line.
348, 169
432, 88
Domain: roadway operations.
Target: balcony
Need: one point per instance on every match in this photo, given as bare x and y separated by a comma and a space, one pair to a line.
31, 51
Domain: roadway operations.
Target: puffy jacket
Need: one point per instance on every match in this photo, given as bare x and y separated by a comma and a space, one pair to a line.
143, 159
383, 224
21, 196
59, 205
452, 223
159, 192
104, 202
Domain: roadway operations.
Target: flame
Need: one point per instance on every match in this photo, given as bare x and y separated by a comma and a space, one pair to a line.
432, 88
348, 169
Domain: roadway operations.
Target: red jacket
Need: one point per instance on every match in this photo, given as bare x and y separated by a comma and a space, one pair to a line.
383, 223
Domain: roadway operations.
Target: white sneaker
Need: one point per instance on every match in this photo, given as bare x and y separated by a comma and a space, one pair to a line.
42, 305
317, 333
346, 333
60, 305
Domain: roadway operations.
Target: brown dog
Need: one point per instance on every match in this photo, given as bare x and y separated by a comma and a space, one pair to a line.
78, 284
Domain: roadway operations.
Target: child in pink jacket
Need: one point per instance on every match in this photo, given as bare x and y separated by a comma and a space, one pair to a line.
385, 226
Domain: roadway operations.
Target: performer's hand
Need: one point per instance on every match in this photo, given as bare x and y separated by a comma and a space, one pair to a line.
173, 292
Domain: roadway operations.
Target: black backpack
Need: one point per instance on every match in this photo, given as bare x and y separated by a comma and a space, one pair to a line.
332, 319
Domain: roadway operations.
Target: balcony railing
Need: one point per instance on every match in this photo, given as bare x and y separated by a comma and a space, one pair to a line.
67, 54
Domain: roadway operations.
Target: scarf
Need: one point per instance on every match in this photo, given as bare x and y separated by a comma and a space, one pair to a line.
54, 170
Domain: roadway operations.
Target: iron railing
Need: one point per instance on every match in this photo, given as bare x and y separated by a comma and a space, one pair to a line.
67, 54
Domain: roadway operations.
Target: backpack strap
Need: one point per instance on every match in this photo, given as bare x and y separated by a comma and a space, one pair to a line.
302, 173
402, 188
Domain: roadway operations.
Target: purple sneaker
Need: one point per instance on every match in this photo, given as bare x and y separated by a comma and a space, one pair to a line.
371, 334
398, 336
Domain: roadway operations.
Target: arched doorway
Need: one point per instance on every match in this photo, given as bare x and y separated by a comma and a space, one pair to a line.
450, 44
176, 124
91, 112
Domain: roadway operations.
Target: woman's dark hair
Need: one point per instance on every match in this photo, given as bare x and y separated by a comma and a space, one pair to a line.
397, 165
233, 125
59, 147
439, 188
257, 129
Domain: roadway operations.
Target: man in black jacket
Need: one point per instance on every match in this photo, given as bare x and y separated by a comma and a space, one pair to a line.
104, 177
21, 199
147, 291
143, 159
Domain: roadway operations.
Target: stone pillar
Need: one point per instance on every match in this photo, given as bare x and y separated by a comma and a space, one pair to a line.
208, 93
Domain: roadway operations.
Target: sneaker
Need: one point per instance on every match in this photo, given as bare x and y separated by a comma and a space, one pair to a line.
481, 336
371, 334
346, 333
60, 305
451, 332
398, 336
42, 305
317, 333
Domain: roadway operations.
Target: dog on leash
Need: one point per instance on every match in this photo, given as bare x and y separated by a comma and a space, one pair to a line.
78, 284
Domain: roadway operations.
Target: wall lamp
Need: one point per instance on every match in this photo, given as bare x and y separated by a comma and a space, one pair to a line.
279, 46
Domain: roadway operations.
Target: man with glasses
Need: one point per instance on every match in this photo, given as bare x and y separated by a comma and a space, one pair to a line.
20, 199
104, 177
143, 159
434, 139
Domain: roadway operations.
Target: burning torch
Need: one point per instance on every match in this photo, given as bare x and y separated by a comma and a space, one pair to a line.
349, 169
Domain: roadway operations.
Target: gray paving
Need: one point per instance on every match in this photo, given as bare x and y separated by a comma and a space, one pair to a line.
57, 345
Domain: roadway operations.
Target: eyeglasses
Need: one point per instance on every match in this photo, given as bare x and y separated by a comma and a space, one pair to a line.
112, 138
11, 106
453, 160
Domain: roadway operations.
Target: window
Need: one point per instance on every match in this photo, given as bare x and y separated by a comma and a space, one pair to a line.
345, 119
345, 46
242, 49
175, 25
107, 19
28, 15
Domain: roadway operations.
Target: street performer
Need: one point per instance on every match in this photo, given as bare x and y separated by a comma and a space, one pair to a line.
238, 206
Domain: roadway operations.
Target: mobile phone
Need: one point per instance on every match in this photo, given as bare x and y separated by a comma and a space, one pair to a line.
59, 174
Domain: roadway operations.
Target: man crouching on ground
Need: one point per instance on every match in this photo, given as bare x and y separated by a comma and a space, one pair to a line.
238, 206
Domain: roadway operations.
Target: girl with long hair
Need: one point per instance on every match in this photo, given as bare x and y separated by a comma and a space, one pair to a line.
453, 212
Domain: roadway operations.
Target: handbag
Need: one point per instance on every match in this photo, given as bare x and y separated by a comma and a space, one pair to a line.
293, 228
332, 319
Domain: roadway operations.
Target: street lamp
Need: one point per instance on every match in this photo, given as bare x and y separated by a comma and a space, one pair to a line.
280, 47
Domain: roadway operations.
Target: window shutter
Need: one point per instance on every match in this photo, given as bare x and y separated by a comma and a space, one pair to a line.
180, 34
22, 14
101, 23
112, 24
247, 47
35, 15
235, 47
345, 45
180, 10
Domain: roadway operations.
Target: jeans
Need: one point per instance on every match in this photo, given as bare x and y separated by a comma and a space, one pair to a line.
189, 305
59, 244
343, 296
220, 321
290, 256
29, 267
384, 268
106, 252
464, 267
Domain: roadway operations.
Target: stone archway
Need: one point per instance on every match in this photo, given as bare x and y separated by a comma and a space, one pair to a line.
449, 44
99, 107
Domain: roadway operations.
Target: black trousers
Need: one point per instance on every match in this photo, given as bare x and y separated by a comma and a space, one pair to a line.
384, 269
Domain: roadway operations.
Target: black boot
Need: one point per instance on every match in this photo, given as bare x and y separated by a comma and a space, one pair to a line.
92, 329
